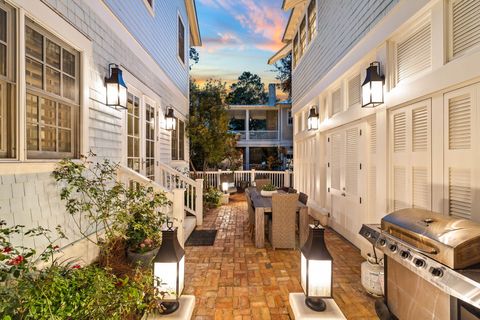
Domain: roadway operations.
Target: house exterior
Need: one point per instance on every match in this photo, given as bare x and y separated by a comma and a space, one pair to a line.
53, 62
420, 148
263, 131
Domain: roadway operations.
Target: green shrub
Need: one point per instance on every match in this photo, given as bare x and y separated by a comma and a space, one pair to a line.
212, 197
269, 187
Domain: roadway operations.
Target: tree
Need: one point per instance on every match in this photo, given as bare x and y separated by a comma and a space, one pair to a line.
194, 57
284, 74
249, 89
207, 127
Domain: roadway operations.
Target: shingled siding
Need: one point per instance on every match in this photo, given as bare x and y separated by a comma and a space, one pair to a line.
140, 22
33, 199
341, 24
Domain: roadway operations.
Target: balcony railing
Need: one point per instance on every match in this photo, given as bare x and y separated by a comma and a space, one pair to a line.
277, 178
263, 135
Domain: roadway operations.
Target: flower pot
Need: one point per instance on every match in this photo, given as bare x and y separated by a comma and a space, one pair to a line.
267, 193
143, 259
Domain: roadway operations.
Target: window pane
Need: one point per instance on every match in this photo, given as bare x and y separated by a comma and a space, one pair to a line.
3, 26
130, 146
32, 137
3, 60
68, 87
181, 40
181, 141
33, 43
53, 81
48, 138
68, 63
64, 140
53, 54
47, 112
34, 73
32, 108
64, 116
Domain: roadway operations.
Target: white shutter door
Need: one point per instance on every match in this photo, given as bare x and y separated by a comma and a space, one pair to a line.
372, 166
337, 101
354, 91
352, 164
411, 156
414, 54
464, 25
337, 145
462, 164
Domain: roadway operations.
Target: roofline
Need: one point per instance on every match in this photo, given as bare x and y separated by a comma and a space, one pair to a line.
193, 22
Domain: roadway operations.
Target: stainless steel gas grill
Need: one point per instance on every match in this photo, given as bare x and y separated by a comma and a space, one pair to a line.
432, 266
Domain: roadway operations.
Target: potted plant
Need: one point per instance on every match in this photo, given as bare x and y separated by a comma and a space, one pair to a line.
143, 222
268, 190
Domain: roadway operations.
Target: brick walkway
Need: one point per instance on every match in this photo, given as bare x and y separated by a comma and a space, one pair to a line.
235, 280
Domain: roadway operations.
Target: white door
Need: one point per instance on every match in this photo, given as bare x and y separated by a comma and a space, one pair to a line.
410, 154
346, 180
150, 141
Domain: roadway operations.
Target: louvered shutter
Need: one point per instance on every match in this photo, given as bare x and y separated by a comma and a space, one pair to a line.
414, 54
411, 156
354, 91
337, 101
372, 167
337, 147
461, 153
351, 161
464, 25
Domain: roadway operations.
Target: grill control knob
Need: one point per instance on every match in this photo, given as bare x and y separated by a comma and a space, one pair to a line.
382, 242
405, 254
393, 247
436, 272
368, 234
420, 263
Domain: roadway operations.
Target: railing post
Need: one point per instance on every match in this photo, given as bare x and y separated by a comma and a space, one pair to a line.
252, 177
286, 179
199, 201
178, 208
219, 183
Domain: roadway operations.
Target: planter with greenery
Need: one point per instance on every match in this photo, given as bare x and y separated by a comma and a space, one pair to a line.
268, 190
212, 197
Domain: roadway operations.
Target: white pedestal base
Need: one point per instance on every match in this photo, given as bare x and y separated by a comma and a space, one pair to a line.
225, 198
184, 312
302, 312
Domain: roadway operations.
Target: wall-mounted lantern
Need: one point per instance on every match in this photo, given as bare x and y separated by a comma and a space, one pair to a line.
316, 269
169, 270
372, 87
170, 120
313, 119
116, 88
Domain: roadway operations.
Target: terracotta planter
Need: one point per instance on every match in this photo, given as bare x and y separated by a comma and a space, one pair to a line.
143, 259
267, 193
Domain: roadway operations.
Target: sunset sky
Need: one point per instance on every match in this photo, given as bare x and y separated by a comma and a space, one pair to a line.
238, 35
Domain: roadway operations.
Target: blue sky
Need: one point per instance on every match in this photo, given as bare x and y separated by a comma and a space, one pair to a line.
238, 35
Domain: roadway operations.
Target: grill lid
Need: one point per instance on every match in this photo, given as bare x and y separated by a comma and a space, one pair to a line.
451, 241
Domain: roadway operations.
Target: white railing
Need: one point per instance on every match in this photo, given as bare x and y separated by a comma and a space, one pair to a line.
263, 135
176, 196
172, 179
278, 178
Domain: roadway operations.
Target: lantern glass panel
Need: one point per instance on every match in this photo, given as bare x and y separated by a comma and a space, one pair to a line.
170, 123
112, 94
166, 274
122, 97
319, 277
313, 123
377, 92
224, 186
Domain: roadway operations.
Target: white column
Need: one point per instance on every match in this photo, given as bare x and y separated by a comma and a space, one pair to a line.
286, 178
178, 208
199, 201
247, 124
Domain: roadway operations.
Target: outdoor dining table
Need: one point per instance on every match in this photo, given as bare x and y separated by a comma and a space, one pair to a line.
263, 205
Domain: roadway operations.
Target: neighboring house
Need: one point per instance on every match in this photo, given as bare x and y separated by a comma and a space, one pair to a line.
264, 131
420, 147
54, 58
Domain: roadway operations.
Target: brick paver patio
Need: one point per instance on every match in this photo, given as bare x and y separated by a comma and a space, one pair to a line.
235, 280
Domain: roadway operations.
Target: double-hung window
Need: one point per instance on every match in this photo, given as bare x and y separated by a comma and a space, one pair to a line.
312, 17
178, 141
52, 100
303, 36
181, 40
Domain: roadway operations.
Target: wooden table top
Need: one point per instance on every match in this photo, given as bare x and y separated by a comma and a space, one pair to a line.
260, 201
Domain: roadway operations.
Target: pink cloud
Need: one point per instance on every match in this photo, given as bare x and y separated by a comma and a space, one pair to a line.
222, 40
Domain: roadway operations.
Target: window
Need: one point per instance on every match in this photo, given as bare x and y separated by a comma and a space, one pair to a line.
133, 132
303, 36
289, 118
149, 141
52, 106
312, 17
181, 40
295, 50
178, 141
7, 81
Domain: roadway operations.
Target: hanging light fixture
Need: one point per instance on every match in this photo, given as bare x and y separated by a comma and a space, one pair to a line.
170, 120
313, 119
316, 269
169, 270
372, 87
116, 88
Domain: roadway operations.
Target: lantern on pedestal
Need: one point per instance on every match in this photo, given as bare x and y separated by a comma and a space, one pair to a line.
169, 270
316, 269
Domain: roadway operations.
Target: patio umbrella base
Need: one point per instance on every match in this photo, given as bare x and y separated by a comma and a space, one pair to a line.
316, 304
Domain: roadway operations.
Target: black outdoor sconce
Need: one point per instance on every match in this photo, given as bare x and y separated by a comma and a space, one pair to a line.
170, 120
313, 119
116, 88
372, 87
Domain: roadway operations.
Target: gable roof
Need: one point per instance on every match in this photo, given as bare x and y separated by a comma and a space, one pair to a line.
196, 39
295, 16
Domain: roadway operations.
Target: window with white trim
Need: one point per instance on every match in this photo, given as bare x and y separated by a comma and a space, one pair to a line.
303, 36
7, 81
312, 17
53, 90
295, 50
133, 132
178, 141
181, 40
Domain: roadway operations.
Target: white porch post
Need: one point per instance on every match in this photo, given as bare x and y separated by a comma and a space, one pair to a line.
286, 178
199, 201
219, 183
252, 176
178, 208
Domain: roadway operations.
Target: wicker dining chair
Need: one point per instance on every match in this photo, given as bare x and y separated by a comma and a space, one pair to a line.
303, 198
251, 214
281, 228
259, 183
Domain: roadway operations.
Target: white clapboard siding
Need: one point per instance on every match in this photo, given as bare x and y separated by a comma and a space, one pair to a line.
351, 161
414, 54
337, 101
465, 25
354, 91
461, 152
410, 149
